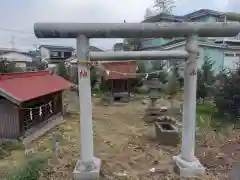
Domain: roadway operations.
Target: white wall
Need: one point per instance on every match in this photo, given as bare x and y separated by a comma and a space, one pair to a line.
45, 53
231, 62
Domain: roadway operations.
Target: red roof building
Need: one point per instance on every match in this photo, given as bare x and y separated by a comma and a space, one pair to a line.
119, 77
120, 70
28, 99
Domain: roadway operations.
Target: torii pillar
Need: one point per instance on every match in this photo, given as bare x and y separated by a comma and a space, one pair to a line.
88, 166
188, 164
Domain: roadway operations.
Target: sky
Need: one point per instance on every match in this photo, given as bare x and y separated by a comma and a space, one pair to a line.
18, 16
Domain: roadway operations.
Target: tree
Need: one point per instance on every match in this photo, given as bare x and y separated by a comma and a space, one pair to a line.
164, 5
172, 87
62, 70
205, 79
40, 66
94, 77
3, 68
148, 13
133, 44
227, 97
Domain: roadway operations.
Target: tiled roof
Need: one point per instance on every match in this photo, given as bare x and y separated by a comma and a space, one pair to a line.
23, 86
93, 48
119, 69
166, 16
196, 14
52, 47
202, 12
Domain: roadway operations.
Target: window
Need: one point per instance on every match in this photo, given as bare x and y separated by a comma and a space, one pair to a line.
67, 54
229, 54
54, 54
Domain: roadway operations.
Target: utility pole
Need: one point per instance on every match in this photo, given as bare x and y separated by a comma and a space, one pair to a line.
13, 42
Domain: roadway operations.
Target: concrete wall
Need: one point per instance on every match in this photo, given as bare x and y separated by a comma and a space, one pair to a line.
153, 42
231, 59
206, 19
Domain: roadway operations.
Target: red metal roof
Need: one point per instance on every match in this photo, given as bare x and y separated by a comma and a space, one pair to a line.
24, 86
122, 67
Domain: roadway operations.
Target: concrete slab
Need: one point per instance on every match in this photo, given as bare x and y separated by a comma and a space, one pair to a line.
82, 173
189, 169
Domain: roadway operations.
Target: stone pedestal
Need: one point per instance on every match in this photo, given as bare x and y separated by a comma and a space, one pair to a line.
167, 133
188, 169
81, 171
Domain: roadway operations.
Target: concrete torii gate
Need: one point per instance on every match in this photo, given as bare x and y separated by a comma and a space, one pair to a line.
88, 166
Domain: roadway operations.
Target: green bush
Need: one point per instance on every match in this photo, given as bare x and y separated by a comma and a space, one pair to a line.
227, 96
173, 85
31, 169
205, 79
62, 70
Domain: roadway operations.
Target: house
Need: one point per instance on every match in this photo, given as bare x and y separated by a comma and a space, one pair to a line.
71, 62
28, 100
49, 52
224, 56
20, 59
53, 61
224, 51
5, 50
118, 77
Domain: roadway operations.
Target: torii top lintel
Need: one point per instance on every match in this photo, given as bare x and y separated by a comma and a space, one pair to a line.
135, 30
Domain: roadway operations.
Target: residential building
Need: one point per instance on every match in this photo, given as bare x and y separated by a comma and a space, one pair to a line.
20, 59
5, 50
223, 56
51, 52
71, 61
38, 102
224, 51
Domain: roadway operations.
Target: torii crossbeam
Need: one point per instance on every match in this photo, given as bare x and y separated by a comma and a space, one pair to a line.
88, 166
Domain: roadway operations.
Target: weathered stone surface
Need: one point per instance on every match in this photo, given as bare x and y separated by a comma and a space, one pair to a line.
167, 133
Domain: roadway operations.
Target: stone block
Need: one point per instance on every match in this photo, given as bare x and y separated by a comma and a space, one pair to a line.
167, 133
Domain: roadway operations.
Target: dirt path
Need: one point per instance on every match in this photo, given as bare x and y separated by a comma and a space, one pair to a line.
125, 145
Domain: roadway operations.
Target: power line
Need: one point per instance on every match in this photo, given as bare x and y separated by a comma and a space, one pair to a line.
16, 31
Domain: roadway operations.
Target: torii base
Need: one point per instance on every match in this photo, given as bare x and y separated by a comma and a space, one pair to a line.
189, 169
79, 174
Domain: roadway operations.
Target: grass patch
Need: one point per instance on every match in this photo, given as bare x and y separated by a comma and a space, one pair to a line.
33, 167
207, 116
98, 92
7, 146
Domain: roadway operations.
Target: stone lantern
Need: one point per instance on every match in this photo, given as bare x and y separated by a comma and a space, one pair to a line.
153, 112
154, 86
